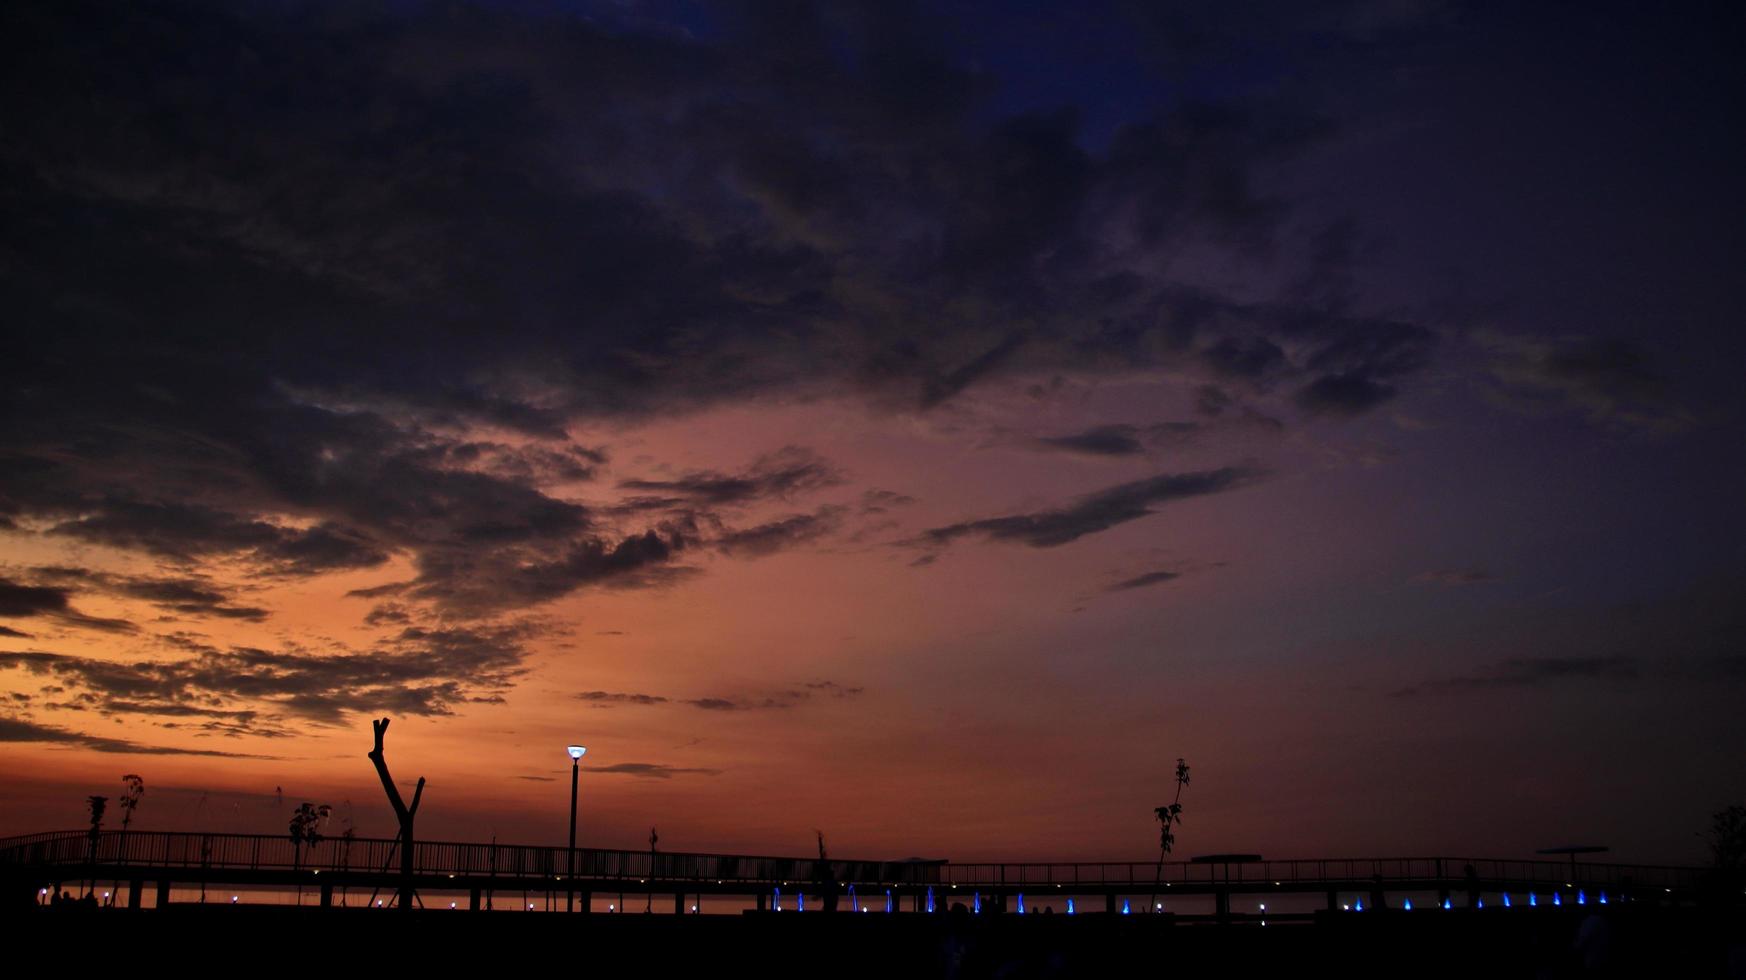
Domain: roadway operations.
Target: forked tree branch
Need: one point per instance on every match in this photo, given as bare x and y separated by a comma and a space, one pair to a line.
401, 810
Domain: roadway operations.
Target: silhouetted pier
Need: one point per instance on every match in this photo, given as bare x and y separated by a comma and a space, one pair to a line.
145, 867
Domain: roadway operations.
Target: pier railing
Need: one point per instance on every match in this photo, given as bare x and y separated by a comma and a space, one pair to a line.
1317, 873
200, 852
262, 852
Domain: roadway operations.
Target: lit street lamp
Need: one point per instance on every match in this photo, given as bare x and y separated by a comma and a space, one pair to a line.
570, 871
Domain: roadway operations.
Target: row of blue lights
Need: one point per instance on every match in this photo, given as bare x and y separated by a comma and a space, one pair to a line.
1127, 907
1533, 901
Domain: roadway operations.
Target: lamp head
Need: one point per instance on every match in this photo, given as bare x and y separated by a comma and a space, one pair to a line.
576, 751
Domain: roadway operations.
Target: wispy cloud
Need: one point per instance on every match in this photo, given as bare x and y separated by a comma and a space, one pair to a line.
1094, 512
24, 730
1533, 672
652, 770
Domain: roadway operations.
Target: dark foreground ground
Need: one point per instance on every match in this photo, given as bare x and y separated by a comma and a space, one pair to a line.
220, 940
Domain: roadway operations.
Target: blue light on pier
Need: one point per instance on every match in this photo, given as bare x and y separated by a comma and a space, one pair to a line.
1069, 906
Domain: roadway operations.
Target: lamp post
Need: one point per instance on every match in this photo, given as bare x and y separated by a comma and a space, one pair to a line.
570, 870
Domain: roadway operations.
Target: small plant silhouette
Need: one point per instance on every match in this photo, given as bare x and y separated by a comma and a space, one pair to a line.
1727, 838
129, 800
306, 831
96, 804
306, 828
1168, 817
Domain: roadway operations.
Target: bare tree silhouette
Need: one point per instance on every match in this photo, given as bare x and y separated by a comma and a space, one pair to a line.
649, 900
403, 813
1168, 817
827, 882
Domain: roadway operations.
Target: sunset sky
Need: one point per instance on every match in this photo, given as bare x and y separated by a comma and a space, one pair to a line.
919, 423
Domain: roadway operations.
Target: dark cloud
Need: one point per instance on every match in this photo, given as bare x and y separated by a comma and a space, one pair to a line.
186, 532
1343, 394
29, 600
1457, 576
24, 730
717, 704
1250, 358
834, 689
9, 631
1608, 379
479, 583
778, 700
1105, 440
651, 770
883, 501
781, 535
1534, 672
387, 614
612, 697
52, 603
1141, 581
1123, 440
418, 671
314, 333
779, 475
1094, 512
197, 596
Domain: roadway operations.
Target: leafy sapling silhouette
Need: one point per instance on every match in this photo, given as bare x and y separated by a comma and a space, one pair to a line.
1168, 817
306, 829
1727, 838
1726, 881
128, 801
96, 804
403, 813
